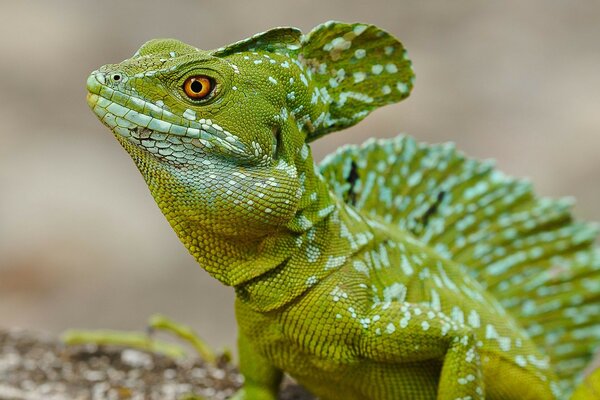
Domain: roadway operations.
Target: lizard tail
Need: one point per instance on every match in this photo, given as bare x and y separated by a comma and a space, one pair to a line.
525, 250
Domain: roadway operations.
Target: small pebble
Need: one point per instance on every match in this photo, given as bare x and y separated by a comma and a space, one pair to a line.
136, 359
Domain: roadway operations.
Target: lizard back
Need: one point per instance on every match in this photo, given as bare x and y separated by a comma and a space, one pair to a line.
525, 251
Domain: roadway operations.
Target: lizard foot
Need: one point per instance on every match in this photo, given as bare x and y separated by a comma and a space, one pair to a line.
187, 334
144, 340
137, 340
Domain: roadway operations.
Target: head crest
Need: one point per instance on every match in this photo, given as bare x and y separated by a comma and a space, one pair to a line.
358, 67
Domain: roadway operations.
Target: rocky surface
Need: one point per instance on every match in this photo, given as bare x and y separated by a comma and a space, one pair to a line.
40, 367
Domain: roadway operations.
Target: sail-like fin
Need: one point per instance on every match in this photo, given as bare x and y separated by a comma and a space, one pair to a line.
281, 40
361, 67
526, 250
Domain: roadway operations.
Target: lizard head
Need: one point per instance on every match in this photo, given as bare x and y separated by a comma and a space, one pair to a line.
204, 133
221, 135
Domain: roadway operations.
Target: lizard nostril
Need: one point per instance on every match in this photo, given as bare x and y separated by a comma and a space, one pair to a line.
116, 77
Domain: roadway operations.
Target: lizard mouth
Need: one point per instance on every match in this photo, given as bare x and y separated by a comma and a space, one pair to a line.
156, 129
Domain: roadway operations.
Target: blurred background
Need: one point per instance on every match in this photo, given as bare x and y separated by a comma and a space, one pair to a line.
82, 243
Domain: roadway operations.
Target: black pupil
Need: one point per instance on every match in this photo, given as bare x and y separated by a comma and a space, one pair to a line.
116, 77
196, 87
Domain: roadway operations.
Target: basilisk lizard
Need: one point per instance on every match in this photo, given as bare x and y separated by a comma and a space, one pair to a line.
391, 270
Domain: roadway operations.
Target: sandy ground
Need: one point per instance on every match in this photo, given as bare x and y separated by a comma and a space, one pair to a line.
39, 367
82, 243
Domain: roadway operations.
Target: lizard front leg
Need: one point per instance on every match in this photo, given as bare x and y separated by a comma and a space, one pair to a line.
261, 378
407, 332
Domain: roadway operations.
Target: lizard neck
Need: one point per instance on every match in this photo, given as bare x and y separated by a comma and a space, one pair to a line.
228, 255
327, 234
266, 267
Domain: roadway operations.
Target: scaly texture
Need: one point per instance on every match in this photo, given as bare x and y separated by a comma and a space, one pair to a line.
395, 270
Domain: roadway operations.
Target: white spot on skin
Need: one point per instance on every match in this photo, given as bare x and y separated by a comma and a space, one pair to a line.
425, 325
504, 343
312, 253
490, 332
474, 319
396, 291
189, 114
325, 211
304, 80
352, 312
360, 53
311, 280
470, 355
402, 87
406, 266
390, 328
405, 320
339, 43
365, 322
457, 315
360, 266
333, 262
344, 96
377, 69
359, 77
304, 151
445, 329
391, 68
358, 29
272, 80
386, 89
436, 302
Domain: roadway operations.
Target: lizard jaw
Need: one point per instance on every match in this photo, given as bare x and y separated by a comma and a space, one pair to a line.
154, 128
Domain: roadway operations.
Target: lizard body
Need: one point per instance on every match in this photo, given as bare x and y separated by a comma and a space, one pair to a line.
394, 270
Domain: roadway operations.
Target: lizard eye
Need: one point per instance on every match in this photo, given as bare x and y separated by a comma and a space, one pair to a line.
197, 87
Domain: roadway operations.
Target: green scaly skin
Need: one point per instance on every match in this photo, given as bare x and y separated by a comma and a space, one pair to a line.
354, 277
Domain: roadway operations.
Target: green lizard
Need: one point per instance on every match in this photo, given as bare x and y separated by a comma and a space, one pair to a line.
392, 270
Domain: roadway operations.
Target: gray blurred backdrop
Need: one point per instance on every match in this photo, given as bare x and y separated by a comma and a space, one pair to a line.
82, 243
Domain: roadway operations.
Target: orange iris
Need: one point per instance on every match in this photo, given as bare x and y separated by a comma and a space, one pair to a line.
197, 87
